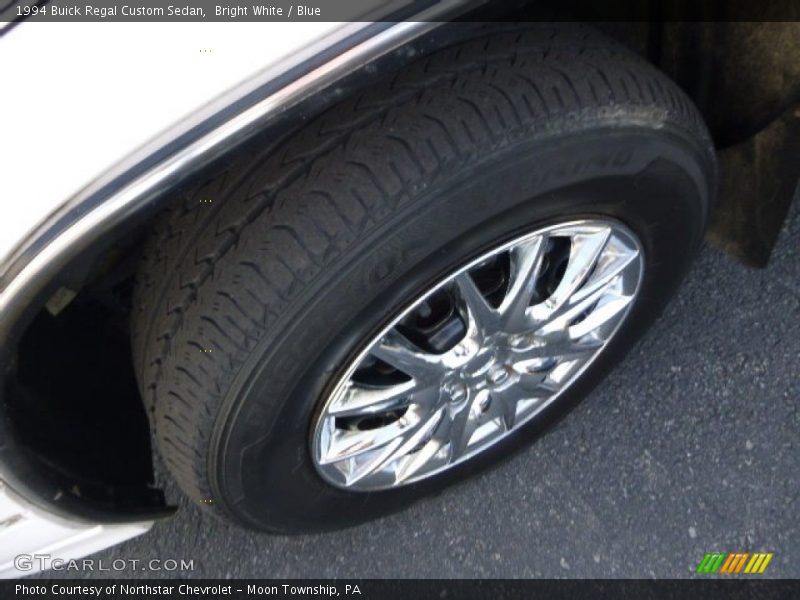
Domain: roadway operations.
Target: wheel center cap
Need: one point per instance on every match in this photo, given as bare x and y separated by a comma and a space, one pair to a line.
487, 369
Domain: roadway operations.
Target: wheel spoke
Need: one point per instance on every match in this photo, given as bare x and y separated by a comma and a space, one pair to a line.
560, 344
361, 400
560, 319
536, 385
401, 354
481, 315
526, 261
346, 443
419, 459
610, 266
504, 404
400, 447
362, 466
584, 252
463, 426
606, 312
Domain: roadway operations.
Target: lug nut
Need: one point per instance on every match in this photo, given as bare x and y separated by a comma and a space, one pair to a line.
497, 375
457, 392
517, 341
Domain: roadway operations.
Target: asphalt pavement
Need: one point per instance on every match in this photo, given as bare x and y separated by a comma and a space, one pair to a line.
690, 446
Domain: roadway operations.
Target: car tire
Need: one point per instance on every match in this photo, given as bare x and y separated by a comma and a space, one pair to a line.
248, 309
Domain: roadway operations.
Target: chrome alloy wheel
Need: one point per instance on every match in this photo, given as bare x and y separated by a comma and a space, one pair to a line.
480, 353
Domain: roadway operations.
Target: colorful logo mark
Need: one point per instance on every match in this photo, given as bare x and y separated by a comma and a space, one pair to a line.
734, 562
